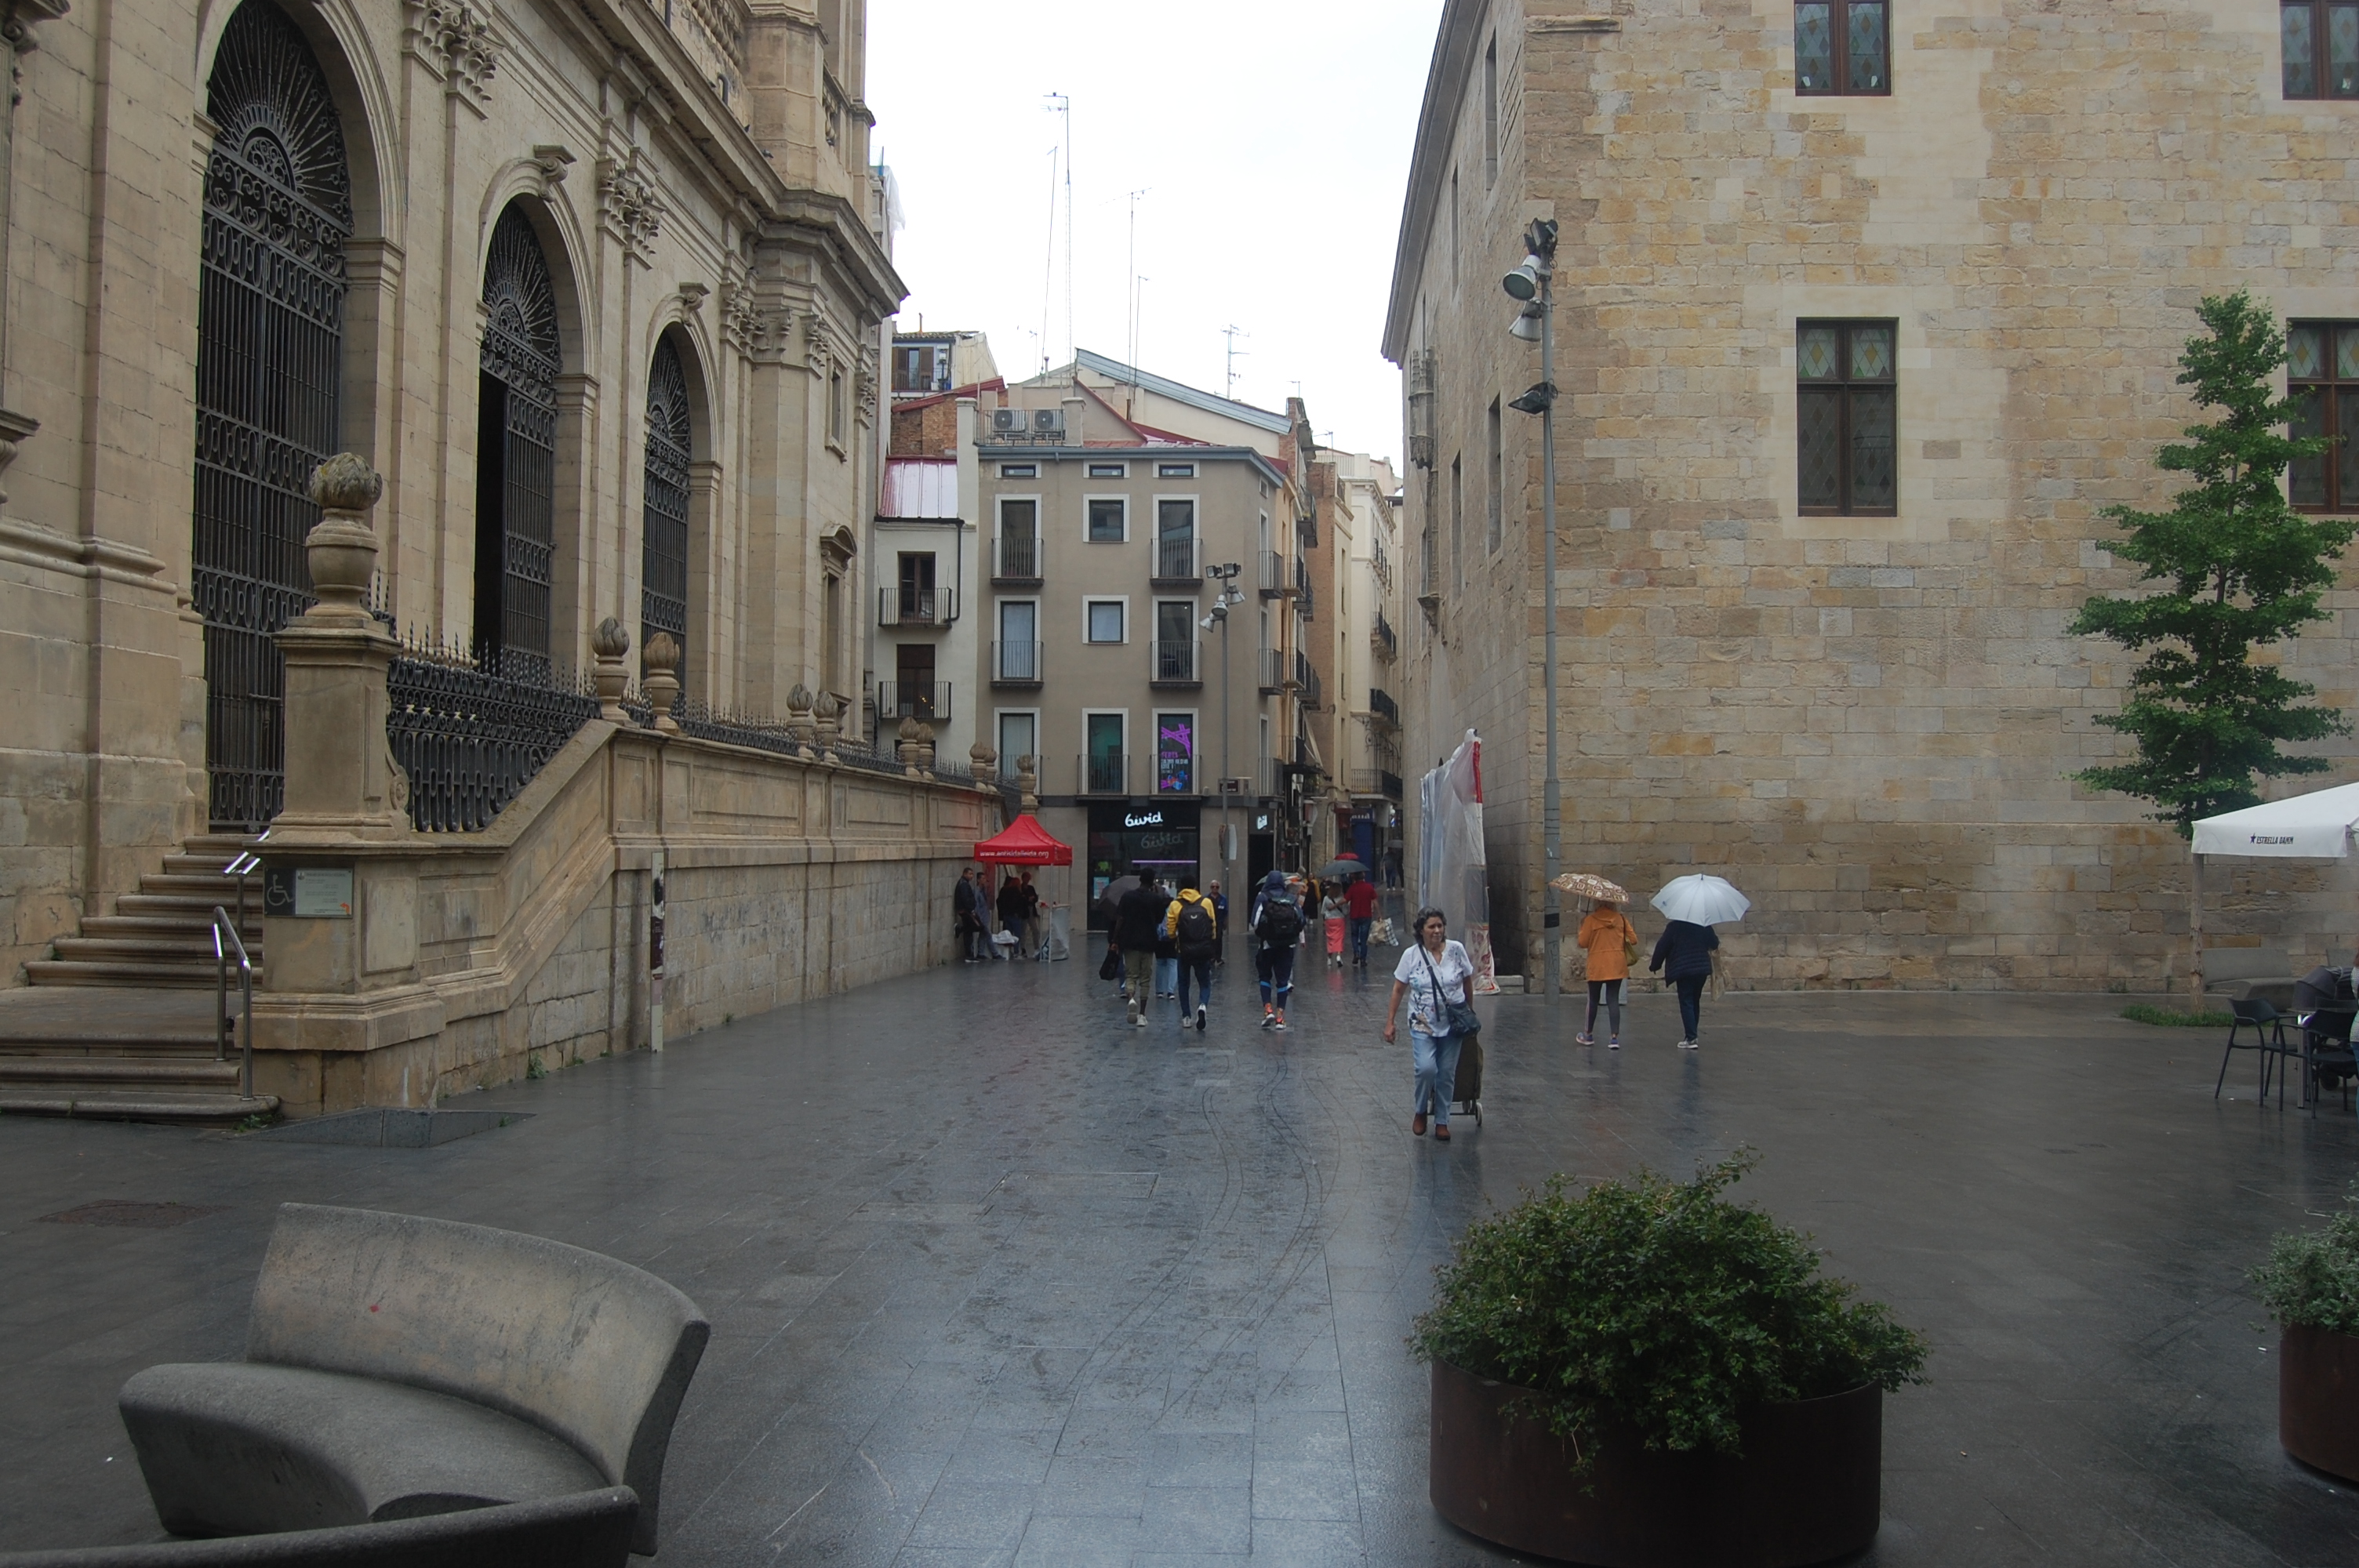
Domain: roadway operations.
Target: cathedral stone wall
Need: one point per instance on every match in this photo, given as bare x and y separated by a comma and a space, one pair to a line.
1867, 721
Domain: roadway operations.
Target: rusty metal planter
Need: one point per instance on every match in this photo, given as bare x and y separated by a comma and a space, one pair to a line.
2318, 1399
1807, 1488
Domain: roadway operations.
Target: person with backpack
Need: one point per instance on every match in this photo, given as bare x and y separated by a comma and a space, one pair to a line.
1137, 924
1276, 928
1194, 928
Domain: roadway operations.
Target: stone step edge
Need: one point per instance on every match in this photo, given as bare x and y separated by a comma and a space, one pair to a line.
100, 1107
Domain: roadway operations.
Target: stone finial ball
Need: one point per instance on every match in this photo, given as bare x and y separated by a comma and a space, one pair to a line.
662, 653
799, 698
610, 640
345, 482
908, 730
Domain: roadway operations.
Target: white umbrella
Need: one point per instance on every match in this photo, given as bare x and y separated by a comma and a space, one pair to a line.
1702, 900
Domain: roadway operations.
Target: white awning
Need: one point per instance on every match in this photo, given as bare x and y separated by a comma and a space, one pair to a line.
2313, 827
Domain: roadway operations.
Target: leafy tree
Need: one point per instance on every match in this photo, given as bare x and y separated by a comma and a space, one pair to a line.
2241, 569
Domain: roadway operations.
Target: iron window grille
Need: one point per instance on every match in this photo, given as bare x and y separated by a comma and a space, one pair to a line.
2322, 378
2320, 39
663, 555
1849, 410
278, 211
516, 489
1842, 49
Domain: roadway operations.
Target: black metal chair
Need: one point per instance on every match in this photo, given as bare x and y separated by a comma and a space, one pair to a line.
2326, 1050
2269, 1040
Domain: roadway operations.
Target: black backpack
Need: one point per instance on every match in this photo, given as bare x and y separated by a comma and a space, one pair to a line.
1281, 922
1198, 933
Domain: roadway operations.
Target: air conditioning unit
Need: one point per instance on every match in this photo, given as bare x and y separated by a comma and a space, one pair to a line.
1048, 421
1009, 421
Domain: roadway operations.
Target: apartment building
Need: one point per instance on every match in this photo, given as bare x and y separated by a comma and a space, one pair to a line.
1866, 311
1360, 515
1140, 638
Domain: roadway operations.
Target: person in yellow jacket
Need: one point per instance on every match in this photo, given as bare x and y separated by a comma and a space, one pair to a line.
1609, 938
1192, 923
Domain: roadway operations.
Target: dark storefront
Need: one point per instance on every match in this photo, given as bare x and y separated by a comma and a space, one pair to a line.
1164, 836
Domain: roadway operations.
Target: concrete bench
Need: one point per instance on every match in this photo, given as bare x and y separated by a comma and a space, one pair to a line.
2234, 969
398, 1366
589, 1529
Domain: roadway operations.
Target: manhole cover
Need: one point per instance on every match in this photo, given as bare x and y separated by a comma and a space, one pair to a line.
136, 1216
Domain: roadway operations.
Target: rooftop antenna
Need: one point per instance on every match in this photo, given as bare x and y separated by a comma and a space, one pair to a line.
1233, 334
1048, 259
1133, 346
1059, 104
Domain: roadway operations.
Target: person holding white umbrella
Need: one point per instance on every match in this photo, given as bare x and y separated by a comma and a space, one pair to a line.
1692, 905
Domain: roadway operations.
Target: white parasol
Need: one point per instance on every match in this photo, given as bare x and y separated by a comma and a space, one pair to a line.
1702, 900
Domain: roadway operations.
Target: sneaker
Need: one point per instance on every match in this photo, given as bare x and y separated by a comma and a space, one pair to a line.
1139, 1018
1279, 1026
1687, 1045
1614, 1043
1584, 1038
1200, 1018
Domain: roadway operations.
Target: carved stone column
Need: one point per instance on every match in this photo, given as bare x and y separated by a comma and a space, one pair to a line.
662, 684
610, 643
341, 782
1028, 783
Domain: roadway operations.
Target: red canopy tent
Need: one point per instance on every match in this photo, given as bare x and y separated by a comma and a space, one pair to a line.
1023, 842
1026, 843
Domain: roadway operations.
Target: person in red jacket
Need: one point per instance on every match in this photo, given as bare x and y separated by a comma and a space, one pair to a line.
1360, 907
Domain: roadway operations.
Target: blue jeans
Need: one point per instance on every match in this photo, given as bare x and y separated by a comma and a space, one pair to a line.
1437, 1073
1166, 976
1360, 928
1275, 968
1200, 969
1691, 1003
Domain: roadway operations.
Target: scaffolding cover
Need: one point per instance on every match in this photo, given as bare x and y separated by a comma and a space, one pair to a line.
1452, 875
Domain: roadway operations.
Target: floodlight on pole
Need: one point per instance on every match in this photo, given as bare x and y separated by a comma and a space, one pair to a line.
1537, 321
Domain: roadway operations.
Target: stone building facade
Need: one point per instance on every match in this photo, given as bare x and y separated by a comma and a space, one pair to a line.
1851, 350
596, 288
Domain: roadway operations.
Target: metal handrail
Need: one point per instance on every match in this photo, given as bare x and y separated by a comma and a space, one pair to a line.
221, 998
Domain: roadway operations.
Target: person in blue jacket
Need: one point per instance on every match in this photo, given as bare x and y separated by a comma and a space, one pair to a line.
1683, 954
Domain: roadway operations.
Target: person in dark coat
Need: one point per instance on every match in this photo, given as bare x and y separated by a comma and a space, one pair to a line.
1137, 925
966, 902
1013, 904
1683, 954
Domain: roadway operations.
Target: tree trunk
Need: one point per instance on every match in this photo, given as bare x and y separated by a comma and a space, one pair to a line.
2195, 936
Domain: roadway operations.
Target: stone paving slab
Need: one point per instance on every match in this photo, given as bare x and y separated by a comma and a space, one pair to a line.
998, 1279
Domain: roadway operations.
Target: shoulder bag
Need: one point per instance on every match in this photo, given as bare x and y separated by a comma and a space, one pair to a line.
1461, 1016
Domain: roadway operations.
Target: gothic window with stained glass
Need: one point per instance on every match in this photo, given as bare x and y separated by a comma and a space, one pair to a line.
1842, 48
2322, 377
1848, 418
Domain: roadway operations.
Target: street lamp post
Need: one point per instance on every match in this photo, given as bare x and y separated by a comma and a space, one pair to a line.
1225, 575
1532, 283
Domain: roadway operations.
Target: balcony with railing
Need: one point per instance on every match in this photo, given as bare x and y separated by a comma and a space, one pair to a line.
1176, 664
1302, 585
1101, 773
1303, 674
1274, 583
1179, 561
1315, 692
926, 700
1273, 672
1017, 663
1382, 641
1016, 561
916, 607
1381, 703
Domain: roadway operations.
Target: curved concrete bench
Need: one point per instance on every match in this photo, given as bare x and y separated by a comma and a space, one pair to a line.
399, 1367
590, 1529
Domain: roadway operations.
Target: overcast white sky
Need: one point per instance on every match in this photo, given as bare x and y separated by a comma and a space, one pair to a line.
1272, 142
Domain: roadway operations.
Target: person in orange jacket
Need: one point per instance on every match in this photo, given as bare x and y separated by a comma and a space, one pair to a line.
1607, 937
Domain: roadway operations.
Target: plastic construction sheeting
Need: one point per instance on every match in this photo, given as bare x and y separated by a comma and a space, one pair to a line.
1453, 874
2313, 827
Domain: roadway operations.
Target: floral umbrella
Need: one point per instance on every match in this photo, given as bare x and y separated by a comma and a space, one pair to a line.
1588, 884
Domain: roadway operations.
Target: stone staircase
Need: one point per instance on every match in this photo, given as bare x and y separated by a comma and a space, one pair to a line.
120, 1024
162, 934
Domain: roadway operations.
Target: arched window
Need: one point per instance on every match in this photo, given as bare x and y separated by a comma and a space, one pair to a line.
516, 447
663, 556
270, 311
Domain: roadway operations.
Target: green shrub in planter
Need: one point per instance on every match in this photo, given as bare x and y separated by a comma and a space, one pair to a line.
1656, 1306
2312, 1280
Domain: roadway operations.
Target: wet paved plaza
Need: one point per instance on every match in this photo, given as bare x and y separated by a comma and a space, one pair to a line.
997, 1279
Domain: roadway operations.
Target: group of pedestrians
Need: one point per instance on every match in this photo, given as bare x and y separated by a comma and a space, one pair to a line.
1016, 905
1683, 954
